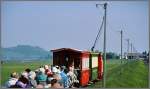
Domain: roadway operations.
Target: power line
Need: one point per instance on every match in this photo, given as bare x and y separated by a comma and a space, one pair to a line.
98, 35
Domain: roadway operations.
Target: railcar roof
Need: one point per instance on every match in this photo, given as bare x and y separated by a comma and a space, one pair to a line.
68, 49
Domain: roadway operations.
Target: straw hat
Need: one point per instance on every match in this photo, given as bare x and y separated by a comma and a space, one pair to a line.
14, 75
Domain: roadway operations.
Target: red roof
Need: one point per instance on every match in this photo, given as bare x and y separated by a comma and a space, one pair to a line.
68, 49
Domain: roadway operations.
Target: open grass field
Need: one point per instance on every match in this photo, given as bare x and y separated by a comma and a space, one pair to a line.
19, 67
131, 74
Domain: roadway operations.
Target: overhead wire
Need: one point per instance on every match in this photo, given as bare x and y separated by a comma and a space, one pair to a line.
98, 35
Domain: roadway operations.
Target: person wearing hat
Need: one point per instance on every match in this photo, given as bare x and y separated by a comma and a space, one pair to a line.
32, 81
13, 79
54, 70
41, 77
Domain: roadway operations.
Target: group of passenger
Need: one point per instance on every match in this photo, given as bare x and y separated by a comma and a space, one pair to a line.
44, 77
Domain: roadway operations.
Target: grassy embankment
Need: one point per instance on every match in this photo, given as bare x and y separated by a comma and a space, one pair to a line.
133, 74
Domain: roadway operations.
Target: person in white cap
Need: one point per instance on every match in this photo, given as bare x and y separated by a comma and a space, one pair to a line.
54, 70
32, 81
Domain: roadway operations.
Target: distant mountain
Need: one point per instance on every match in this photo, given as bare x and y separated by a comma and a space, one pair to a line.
25, 52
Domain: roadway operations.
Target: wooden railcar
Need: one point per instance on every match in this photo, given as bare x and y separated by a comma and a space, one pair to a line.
88, 64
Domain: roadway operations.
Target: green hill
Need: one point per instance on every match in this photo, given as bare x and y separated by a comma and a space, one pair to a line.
24, 52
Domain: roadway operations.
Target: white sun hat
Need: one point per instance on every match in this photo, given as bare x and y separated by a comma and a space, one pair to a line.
54, 69
32, 75
24, 74
42, 70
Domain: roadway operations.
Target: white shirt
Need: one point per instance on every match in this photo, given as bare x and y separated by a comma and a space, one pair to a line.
11, 81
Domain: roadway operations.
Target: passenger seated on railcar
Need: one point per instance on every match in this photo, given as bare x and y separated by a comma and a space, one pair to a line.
64, 77
72, 78
77, 71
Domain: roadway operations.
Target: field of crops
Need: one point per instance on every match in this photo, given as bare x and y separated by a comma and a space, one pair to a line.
127, 75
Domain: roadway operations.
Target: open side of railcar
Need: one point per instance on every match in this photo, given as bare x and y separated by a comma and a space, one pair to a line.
72, 57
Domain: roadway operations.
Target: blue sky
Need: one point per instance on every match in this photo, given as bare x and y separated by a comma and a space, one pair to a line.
58, 24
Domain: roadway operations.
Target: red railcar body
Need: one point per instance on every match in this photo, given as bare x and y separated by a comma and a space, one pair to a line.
100, 66
79, 59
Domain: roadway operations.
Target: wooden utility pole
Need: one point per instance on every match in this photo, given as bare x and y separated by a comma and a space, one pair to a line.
121, 32
128, 46
131, 51
104, 48
104, 75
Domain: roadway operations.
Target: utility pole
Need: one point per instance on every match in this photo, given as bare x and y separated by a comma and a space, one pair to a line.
128, 46
134, 52
121, 43
134, 49
131, 51
104, 48
104, 75
121, 32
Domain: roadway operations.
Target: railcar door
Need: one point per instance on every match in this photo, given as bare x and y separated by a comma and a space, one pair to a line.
85, 73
